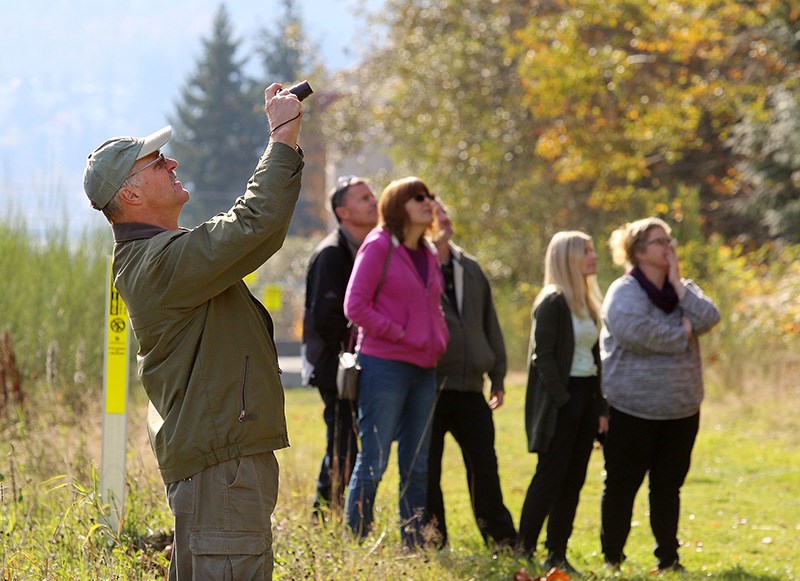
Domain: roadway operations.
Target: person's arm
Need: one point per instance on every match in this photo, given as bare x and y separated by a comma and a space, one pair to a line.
698, 308
358, 302
701, 313
327, 283
546, 332
494, 336
627, 318
199, 264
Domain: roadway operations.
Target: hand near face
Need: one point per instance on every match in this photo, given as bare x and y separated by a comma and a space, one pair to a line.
674, 275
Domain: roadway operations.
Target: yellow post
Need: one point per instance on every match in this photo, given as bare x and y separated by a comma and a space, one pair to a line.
273, 298
115, 398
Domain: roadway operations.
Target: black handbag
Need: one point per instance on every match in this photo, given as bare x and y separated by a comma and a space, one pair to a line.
348, 370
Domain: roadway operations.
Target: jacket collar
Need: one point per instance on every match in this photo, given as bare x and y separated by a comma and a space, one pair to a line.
456, 252
129, 231
347, 243
424, 242
458, 276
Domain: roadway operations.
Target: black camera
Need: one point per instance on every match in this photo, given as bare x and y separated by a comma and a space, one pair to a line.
301, 90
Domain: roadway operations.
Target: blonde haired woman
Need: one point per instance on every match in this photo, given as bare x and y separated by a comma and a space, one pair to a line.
653, 381
564, 409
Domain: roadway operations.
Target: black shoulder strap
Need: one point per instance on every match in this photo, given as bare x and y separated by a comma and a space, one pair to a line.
383, 274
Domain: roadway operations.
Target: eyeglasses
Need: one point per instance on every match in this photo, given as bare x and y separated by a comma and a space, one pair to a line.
160, 159
423, 197
663, 242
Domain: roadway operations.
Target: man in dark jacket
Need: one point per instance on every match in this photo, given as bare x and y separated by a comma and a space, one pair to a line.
475, 350
326, 332
207, 357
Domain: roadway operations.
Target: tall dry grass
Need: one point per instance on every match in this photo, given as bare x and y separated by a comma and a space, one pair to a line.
740, 518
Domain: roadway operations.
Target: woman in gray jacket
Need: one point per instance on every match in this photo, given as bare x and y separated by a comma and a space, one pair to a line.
564, 409
653, 381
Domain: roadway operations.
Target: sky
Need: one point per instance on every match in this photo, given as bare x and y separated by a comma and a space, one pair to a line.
76, 72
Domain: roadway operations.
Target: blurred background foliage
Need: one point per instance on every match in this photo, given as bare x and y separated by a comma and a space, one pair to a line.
526, 117
530, 117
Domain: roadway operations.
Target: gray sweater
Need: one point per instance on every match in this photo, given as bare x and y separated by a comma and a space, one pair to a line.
651, 368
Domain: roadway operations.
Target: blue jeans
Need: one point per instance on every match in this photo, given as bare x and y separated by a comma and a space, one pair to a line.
395, 400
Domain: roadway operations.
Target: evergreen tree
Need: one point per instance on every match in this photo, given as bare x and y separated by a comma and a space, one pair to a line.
282, 49
767, 144
218, 127
286, 56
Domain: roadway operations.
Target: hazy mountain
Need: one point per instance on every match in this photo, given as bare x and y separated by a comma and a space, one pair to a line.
76, 72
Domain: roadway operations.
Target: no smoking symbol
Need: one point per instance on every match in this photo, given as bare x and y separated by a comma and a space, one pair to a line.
117, 325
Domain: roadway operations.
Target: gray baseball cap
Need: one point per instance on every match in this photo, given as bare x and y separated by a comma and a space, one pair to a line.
108, 166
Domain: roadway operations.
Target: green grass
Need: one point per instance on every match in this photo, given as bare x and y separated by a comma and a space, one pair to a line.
740, 516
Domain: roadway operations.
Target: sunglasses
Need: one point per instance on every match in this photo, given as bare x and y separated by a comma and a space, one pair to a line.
423, 197
160, 159
342, 185
344, 181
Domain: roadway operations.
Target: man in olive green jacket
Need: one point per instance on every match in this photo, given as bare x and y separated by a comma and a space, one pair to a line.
207, 358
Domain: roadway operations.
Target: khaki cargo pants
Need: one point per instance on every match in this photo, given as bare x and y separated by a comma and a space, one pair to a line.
222, 520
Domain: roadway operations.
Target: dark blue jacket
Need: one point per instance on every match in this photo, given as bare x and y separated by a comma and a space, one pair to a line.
325, 330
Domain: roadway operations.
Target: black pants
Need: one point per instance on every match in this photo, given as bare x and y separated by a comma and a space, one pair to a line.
561, 471
468, 418
633, 447
341, 450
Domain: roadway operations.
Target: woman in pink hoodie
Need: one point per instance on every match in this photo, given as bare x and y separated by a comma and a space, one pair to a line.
393, 296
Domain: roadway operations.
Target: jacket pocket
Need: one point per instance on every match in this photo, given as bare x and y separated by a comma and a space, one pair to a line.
180, 496
243, 415
230, 555
417, 336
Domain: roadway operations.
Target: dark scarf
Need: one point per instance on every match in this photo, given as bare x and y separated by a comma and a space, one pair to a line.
664, 298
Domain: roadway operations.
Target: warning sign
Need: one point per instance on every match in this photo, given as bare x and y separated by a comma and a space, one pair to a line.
116, 371
273, 298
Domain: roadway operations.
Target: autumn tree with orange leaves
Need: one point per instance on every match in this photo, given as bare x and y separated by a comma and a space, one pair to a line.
643, 99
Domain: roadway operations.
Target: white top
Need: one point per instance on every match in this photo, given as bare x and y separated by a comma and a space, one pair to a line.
586, 334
